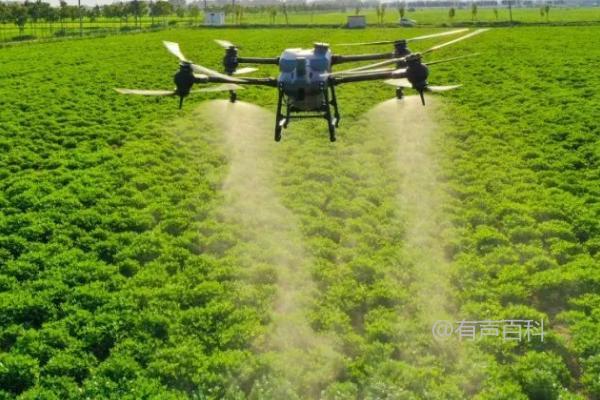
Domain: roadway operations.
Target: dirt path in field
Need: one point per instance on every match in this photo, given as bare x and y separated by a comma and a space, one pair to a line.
271, 239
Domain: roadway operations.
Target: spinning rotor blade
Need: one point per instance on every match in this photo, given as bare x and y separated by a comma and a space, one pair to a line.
224, 43
405, 83
437, 89
142, 92
439, 46
221, 88
246, 70
367, 43
175, 50
433, 35
396, 60
209, 72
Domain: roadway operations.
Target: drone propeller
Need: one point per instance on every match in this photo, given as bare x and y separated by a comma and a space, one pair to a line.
420, 87
438, 89
142, 92
405, 83
467, 36
215, 74
176, 51
435, 35
226, 87
226, 44
373, 67
414, 58
246, 70
405, 58
382, 42
400, 82
415, 71
230, 62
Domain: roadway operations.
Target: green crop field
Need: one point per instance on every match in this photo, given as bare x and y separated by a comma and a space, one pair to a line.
153, 253
436, 16
9, 32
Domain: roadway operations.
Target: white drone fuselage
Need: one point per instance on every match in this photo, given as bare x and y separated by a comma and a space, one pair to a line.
303, 76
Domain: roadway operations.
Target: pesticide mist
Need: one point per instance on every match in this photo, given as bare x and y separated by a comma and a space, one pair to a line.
302, 361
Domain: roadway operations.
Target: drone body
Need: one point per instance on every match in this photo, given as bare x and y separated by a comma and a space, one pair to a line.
306, 84
302, 75
302, 83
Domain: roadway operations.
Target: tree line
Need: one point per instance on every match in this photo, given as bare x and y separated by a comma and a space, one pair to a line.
35, 12
39, 11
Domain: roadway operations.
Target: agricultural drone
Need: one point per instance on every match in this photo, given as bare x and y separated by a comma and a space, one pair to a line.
306, 84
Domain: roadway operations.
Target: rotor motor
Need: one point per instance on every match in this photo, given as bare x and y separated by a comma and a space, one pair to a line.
184, 80
417, 74
230, 61
401, 49
321, 48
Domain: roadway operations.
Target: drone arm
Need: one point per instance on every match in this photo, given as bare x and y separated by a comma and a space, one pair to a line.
258, 60
339, 59
369, 76
271, 82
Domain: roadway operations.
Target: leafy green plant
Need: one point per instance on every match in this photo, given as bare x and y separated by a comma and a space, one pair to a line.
120, 277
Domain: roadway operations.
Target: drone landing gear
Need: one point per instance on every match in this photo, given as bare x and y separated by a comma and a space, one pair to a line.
332, 137
334, 103
232, 96
329, 110
332, 121
287, 116
280, 120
